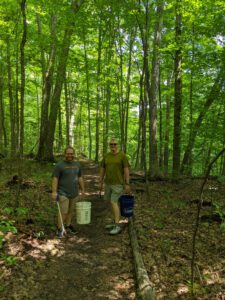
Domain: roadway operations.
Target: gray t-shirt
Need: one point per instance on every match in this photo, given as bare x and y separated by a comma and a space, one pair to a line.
67, 174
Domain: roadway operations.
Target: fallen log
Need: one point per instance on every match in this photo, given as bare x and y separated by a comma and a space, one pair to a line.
145, 290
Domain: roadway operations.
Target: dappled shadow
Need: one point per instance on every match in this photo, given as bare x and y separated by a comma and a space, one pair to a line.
89, 265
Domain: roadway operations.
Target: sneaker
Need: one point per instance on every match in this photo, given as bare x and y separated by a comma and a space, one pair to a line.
109, 226
116, 229
71, 229
60, 233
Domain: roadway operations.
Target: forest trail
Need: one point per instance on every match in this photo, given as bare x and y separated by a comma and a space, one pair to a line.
89, 265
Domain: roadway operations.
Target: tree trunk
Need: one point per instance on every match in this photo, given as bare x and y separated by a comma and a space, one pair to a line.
223, 161
138, 162
11, 103
214, 94
60, 137
88, 99
67, 112
144, 29
127, 100
167, 129
45, 151
46, 91
22, 72
3, 135
153, 94
54, 107
177, 94
160, 126
98, 93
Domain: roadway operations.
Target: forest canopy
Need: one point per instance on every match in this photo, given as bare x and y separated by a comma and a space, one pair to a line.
150, 73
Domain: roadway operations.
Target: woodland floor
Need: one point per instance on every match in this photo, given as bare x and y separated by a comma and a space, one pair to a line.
94, 265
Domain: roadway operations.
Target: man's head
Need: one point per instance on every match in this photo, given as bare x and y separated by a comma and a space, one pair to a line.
69, 153
113, 145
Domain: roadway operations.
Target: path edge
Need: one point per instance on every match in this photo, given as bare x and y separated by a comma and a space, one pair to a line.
145, 290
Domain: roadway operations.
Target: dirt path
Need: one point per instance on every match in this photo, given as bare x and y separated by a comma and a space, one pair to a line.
90, 265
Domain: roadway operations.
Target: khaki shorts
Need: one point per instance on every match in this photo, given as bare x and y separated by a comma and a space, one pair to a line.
113, 192
66, 205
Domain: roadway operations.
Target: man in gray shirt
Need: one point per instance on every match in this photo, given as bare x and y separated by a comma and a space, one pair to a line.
66, 181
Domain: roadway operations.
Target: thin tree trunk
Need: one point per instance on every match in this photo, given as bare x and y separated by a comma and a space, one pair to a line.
60, 138
16, 105
153, 94
127, 100
177, 94
107, 116
215, 92
88, 99
144, 29
140, 125
67, 112
167, 129
98, 93
160, 126
22, 72
11, 102
40, 40
3, 135
120, 85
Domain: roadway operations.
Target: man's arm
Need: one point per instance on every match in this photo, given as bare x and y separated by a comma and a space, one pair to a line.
127, 180
127, 176
101, 177
55, 181
81, 184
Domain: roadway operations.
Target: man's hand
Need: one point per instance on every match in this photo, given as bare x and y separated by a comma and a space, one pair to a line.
54, 196
100, 186
127, 189
82, 193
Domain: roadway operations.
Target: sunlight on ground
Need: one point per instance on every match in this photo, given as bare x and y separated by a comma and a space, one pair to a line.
36, 249
110, 250
182, 289
40, 249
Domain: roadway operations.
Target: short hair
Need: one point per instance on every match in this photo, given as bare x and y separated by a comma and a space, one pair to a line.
69, 147
113, 139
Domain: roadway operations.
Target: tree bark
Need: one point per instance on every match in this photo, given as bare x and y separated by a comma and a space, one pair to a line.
88, 99
97, 124
46, 90
45, 151
22, 72
153, 95
167, 130
11, 103
3, 135
54, 106
177, 93
213, 96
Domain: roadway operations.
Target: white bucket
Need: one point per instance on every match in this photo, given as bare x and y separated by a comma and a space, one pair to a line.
83, 212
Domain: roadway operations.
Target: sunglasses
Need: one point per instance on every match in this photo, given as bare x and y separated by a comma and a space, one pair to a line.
112, 144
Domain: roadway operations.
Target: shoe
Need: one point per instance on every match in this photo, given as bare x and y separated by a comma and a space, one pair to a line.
116, 229
60, 233
71, 229
109, 226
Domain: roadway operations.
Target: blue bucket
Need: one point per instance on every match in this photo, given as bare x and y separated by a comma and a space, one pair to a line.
126, 205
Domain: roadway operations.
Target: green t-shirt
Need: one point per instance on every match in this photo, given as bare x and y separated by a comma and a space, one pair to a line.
67, 174
114, 165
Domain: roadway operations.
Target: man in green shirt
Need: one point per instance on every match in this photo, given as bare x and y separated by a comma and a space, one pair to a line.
66, 180
114, 172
